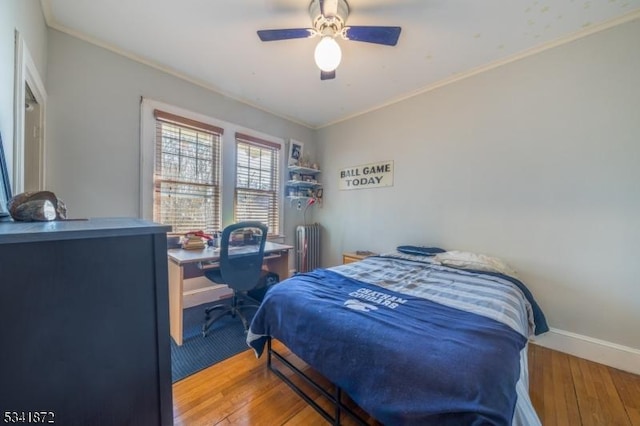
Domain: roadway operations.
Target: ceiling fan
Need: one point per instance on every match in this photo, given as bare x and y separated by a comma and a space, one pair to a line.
328, 19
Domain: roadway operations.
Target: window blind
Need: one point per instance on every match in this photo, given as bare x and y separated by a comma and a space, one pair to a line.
257, 181
187, 174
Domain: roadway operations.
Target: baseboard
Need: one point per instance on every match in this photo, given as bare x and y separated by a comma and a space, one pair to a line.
596, 350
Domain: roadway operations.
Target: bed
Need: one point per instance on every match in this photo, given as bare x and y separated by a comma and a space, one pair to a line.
410, 338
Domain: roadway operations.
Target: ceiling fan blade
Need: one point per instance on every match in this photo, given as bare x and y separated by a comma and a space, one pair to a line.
285, 34
327, 75
329, 8
379, 35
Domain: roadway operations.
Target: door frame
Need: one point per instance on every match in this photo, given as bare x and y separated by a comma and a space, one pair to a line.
26, 73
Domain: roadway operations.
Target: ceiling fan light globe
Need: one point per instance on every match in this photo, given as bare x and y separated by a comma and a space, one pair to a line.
328, 54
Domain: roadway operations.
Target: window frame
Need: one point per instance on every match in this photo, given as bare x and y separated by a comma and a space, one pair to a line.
277, 149
190, 138
227, 154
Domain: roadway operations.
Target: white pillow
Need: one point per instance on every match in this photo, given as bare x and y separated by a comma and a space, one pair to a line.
477, 262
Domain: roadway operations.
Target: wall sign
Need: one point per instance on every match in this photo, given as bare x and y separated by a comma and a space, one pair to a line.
372, 175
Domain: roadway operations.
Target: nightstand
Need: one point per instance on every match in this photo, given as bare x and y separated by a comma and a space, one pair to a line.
354, 256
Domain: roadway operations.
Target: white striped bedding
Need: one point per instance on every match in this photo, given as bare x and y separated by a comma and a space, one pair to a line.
482, 294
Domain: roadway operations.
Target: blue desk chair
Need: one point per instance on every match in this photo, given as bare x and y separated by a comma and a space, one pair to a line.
240, 269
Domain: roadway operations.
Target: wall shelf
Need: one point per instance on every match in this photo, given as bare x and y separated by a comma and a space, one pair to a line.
299, 201
302, 184
298, 198
303, 170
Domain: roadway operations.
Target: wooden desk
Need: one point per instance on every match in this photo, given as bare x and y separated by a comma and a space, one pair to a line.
185, 264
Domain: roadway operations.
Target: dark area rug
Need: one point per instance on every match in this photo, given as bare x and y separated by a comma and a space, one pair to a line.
225, 338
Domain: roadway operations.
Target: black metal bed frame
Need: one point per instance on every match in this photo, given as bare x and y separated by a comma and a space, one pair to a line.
334, 398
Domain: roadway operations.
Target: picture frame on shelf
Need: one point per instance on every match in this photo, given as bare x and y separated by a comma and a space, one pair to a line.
296, 150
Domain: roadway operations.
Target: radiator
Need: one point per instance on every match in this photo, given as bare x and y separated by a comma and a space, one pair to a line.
307, 247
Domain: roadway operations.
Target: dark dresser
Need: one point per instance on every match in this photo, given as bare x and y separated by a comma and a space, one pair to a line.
84, 323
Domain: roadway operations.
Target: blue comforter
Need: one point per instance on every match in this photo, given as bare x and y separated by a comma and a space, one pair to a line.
404, 359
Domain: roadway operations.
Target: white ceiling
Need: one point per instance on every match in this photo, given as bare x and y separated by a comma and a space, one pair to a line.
214, 43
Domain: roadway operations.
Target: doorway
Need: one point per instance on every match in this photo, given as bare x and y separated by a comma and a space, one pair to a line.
33, 179
29, 114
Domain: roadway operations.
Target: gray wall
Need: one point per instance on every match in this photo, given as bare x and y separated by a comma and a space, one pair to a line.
93, 151
536, 162
26, 17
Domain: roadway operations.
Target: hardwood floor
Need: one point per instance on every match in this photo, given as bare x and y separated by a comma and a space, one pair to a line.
565, 390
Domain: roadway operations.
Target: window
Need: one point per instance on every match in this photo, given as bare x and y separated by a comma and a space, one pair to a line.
186, 157
186, 174
257, 183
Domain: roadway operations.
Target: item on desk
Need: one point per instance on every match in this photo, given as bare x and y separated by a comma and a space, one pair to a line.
215, 239
193, 243
215, 242
200, 234
194, 240
173, 241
